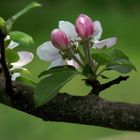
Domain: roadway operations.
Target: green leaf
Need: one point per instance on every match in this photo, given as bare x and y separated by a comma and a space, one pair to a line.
22, 38
49, 86
121, 62
101, 58
116, 54
11, 56
25, 81
114, 59
121, 66
57, 69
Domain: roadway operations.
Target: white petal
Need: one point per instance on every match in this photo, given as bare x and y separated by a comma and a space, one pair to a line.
47, 51
72, 63
57, 62
97, 30
69, 29
15, 75
109, 42
24, 58
12, 45
7, 37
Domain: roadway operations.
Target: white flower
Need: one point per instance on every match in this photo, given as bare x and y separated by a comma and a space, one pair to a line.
49, 53
24, 58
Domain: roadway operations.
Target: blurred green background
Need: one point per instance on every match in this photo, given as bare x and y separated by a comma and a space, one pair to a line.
119, 18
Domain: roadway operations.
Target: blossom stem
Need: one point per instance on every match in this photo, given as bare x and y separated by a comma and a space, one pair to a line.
86, 48
75, 58
89, 61
87, 52
81, 55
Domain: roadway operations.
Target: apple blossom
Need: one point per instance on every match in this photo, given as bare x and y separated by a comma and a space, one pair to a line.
24, 58
67, 35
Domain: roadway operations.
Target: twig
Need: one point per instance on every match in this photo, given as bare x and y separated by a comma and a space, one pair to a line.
97, 87
113, 82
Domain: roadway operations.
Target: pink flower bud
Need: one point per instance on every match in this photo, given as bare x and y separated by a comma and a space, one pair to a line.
84, 26
59, 39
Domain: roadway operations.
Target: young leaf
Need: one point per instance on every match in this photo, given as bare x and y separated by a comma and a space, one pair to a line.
57, 69
25, 81
11, 56
121, 66
22, 38
101, 58
118, 54
49, 86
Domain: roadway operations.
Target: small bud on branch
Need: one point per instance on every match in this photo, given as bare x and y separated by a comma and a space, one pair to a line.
84, 26
59, 39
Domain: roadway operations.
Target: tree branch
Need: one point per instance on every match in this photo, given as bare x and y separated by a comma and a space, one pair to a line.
89, 110
5, 69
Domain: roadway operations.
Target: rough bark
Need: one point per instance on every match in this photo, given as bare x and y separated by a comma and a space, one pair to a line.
89, 110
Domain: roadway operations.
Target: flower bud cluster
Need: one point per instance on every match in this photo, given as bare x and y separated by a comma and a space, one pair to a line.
83, 26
